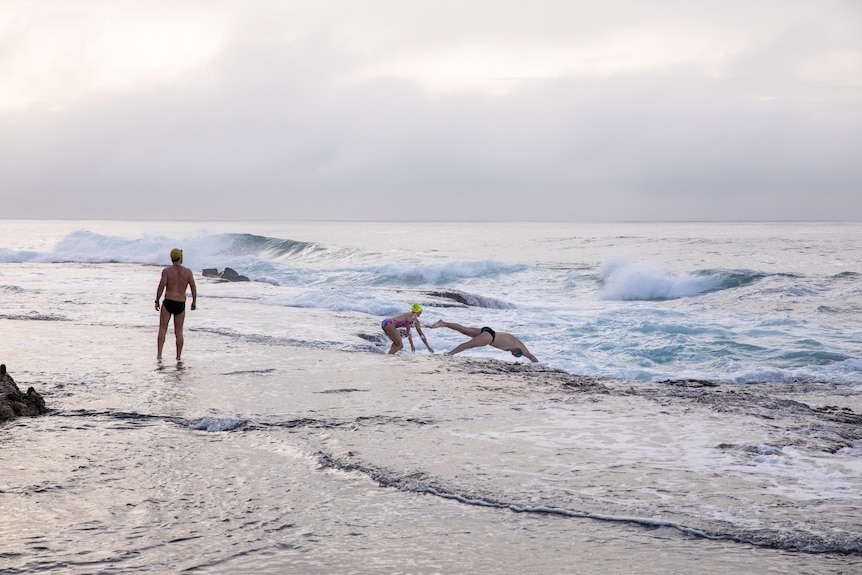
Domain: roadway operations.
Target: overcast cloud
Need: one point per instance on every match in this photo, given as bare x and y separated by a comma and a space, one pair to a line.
433, 110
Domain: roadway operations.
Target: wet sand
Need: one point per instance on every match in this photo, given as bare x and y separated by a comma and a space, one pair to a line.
318, 461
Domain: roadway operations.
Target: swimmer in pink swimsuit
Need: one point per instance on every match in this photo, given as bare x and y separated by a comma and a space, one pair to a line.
392, 325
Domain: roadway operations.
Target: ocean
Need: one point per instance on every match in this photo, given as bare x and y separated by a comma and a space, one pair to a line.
697, 405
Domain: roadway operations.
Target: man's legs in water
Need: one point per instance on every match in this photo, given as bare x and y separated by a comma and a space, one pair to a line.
164, 319
179, 320
468, 331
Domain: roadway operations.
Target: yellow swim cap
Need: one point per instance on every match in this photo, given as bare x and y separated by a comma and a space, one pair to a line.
416, 308
176, 254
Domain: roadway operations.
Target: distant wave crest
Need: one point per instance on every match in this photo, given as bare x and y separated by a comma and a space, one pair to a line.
623, 280
269, 248
206, 249
444, 273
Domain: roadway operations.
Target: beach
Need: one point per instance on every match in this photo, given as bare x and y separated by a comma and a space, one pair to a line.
407, 465
286, 440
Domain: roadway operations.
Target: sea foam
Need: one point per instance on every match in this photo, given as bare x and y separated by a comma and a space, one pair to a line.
624, 280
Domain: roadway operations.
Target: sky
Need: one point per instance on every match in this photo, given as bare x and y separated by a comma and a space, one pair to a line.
557, 110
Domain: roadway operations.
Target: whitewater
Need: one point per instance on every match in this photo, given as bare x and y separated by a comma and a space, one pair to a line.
697, 397
740, 303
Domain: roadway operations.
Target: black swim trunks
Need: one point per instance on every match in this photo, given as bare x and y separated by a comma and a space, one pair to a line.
491, 331
175, 307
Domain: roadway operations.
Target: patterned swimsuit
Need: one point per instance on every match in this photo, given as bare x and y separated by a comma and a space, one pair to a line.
399, 324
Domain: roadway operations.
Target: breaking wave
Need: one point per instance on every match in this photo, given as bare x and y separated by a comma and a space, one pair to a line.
623, 280
204, 250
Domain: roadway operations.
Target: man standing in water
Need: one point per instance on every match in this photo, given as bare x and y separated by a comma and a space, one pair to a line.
175, 279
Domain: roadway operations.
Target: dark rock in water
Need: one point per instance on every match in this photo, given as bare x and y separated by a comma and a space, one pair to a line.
230, 274
467, 299
455, 296
13, 403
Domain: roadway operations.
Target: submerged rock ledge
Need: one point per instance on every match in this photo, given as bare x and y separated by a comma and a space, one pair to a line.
13, 403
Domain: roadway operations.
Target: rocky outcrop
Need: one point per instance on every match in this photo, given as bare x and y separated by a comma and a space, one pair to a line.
229, 274
13, 403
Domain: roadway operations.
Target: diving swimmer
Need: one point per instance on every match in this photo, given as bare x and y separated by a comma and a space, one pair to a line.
487, 336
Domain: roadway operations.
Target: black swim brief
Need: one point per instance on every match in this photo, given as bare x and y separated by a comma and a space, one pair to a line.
175, 307
491, 331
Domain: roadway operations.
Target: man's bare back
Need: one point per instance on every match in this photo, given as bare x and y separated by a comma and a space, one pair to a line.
175, 280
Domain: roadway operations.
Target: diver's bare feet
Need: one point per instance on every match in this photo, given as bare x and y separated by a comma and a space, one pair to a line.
438, 323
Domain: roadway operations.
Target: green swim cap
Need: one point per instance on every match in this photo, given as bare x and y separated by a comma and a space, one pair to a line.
416, 308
